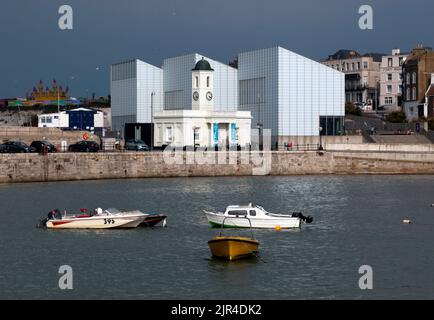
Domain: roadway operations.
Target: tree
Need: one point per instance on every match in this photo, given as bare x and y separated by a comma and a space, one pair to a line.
396, 117
350, 108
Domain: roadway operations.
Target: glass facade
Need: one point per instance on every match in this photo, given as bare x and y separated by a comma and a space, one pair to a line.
288, 93
178, 83
134, 87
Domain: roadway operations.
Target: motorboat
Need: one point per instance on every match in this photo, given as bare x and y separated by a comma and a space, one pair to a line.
152, 220
98, 219
258, 216
233, 247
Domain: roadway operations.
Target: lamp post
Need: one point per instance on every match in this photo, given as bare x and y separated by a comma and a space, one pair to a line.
320, 139
152, 106
259, 124
152, 119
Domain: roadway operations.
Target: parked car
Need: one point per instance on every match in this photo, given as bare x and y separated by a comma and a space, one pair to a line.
17, 147
2, 148
84, 146
40, 144
138, 145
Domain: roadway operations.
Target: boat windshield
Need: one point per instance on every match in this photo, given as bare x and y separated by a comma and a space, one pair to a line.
260, 208
112, 211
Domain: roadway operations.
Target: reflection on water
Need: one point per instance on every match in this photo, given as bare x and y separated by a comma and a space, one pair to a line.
357, 220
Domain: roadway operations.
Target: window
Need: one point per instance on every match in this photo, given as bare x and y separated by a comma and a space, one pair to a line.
365, 65
407, 94
414, 78
252, 91
358, 66
348, 66
389, 89
56, 117
337, 67
390, 62
49, 119
389, 77
43, 119
388, 100
238, 212
343, 66
400, 76
331, 126
169, 134
196, 136
352, 66
408, 78
365, 81
252, 213
413, 94
400, 89
197, 81
207, 82
401, 61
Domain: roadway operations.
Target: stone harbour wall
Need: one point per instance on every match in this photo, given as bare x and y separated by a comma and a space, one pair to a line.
86, 166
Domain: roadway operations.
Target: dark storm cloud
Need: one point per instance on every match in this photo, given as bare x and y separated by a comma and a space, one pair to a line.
33, 47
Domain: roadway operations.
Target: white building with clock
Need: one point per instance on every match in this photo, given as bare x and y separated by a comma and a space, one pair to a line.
201, 124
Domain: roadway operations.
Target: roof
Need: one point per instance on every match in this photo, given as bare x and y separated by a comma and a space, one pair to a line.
377, 57
430, 91
344, 54
203, 65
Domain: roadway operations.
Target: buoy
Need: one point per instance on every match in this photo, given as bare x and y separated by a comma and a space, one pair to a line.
278, 228
406, 221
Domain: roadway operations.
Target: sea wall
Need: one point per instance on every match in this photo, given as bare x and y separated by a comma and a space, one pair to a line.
76, 166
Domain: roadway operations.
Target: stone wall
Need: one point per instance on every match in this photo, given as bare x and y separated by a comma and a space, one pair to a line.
76, 166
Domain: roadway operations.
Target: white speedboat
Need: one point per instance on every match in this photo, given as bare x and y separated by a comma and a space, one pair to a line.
98, 219
258, 216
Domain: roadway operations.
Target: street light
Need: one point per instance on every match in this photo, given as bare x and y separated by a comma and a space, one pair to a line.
320, 139
152, 106
152, 119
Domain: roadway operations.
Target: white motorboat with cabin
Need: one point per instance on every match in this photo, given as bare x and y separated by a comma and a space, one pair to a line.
98, 219
258, 216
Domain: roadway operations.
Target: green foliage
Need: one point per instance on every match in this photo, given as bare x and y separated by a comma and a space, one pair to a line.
350, 108
396, 117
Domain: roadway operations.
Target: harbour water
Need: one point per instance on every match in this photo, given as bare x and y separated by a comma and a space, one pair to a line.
358, 221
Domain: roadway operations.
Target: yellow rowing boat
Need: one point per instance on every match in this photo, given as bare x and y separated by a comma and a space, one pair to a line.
233, 247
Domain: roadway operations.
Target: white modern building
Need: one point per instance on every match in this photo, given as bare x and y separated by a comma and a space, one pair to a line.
136, 88
192, 116
391, 80
283, 91
291, 94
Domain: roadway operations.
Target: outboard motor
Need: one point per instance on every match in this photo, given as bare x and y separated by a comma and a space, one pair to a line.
305, 219
42, 223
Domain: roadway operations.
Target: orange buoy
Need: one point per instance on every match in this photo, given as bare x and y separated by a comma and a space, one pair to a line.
277, 228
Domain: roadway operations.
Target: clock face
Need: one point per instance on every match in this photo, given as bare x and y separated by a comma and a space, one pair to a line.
209, 95
196, 96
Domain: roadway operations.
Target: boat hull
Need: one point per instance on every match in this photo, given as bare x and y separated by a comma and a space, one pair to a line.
216, 220
153, 219
233, 248
95, 222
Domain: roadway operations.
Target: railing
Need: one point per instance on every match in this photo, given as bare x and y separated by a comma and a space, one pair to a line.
300, 147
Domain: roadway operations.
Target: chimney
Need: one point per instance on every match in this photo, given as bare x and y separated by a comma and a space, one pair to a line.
396, 52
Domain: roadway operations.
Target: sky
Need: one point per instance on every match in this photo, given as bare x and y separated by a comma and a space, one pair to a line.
33, 47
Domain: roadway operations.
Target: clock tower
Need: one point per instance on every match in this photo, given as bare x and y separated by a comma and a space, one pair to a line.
202, 86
